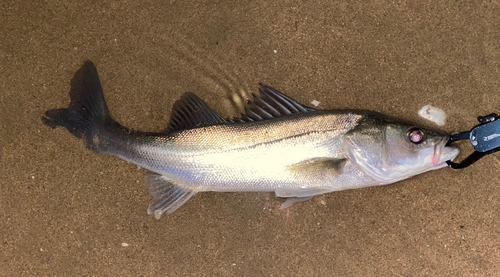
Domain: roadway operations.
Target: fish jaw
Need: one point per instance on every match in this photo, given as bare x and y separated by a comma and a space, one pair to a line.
431, 158
443, 153
448, 153
437, 156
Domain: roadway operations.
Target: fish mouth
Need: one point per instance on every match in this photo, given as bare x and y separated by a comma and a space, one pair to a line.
443, 153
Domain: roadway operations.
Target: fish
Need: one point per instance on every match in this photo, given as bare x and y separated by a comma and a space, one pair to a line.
276, 145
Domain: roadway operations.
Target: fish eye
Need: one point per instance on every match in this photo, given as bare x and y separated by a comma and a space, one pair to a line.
416, 135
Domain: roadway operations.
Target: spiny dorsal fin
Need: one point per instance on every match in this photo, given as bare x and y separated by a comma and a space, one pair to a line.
270, 104
189, 112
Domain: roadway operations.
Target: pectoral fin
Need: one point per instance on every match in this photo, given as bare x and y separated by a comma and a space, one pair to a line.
318, 168
297, 195
167, 197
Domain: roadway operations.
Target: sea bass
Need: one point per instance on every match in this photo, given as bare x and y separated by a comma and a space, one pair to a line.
277, 145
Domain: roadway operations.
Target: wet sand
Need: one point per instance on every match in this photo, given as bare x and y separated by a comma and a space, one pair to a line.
69, 212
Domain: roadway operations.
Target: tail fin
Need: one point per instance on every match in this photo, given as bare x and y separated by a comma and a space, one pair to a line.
87, 109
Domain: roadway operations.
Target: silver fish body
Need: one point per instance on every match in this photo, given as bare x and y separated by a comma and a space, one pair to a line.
254, 156
278, 145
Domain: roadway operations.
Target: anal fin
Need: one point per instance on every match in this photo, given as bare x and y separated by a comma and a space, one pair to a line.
167, 197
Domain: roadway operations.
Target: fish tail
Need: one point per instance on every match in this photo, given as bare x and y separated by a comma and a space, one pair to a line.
87, 111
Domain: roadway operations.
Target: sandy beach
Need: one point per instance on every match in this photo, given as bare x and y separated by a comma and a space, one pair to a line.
66, 211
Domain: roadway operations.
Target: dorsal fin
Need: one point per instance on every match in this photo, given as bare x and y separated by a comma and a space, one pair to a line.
270, 104
189, 112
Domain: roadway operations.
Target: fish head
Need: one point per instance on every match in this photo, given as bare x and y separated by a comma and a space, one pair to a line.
388, 150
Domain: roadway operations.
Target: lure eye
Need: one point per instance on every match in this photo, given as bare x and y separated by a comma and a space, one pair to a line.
416, 135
